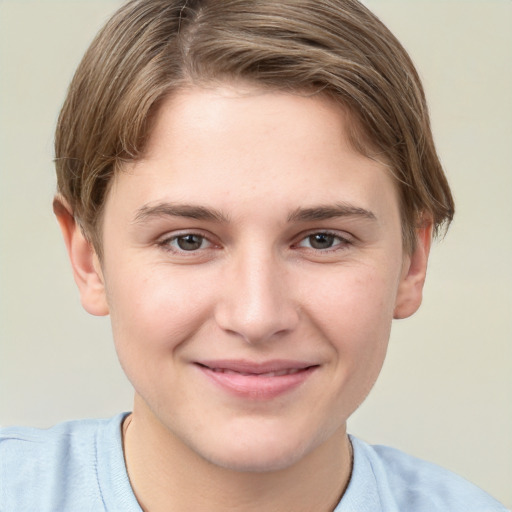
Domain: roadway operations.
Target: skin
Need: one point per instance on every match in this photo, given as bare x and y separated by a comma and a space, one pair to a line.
293, 251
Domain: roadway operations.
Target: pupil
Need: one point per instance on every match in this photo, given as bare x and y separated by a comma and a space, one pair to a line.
321, 241
190, 242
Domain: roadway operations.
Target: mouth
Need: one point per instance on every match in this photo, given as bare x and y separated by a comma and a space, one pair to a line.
257, 381
279, 373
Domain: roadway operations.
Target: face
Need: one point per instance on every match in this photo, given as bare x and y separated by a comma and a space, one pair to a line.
252, 266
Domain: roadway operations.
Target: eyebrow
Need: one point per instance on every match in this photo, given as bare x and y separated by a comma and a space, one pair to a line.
147, 212
329, 212
314, 213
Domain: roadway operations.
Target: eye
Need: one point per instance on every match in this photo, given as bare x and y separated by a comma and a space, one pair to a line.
322, 241
187, 242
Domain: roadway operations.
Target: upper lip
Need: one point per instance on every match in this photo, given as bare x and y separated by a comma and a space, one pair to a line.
256, 368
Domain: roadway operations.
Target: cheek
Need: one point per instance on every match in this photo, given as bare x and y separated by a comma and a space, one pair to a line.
354, 305
153, 312
355, 317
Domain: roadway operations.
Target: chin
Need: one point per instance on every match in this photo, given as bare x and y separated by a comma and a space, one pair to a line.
255, 460
258, 452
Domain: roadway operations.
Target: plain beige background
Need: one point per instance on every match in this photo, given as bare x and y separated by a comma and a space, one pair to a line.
445, 392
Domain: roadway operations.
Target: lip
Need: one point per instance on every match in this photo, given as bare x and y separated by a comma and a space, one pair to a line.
257, 380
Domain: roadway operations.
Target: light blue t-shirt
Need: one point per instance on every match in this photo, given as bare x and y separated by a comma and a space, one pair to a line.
78, 466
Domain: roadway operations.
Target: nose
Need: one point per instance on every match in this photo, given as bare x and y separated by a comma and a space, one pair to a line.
256, 302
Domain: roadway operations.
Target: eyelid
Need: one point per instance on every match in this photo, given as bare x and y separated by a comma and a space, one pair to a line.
344, 238
164, 241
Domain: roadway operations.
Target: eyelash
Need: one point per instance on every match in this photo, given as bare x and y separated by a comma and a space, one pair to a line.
340, 242
166, 242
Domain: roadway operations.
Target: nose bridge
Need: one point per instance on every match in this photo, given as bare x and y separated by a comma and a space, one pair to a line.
256, 301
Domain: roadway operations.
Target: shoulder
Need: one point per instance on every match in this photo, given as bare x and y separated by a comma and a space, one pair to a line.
38, 449
34, 438
419, 486
45, 468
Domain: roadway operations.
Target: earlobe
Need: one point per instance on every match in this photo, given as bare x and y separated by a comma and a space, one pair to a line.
410, 289
84, 260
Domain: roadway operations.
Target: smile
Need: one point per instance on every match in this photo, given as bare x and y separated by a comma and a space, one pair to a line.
257, 381
266, 374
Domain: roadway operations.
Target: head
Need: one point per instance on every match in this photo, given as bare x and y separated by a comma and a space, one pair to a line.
152, 48
249, 186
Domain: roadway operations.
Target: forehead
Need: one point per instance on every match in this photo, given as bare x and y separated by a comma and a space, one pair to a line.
242, 145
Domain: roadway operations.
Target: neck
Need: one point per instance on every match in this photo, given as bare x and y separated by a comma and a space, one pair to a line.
166, 475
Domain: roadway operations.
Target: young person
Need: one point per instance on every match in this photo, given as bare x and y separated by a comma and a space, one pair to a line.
249, 189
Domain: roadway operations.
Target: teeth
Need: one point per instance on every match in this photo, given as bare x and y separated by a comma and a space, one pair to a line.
278, 373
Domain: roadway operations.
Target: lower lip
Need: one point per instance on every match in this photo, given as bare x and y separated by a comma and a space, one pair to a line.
257, 387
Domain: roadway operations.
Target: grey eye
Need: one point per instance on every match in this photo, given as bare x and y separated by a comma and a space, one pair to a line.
321, 240
189, 242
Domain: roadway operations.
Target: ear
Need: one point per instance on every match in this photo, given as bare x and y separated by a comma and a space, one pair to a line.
410, 289
84, 260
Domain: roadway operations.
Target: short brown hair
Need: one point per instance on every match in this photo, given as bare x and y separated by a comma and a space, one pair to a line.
338, 48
